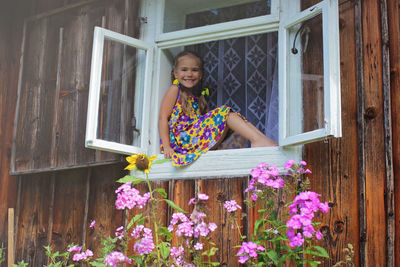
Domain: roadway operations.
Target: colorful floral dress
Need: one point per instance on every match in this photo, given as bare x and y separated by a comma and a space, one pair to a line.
193, 134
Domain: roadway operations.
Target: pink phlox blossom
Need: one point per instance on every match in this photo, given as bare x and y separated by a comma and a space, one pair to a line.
119, 233
116, 257
302, 162
250, 249
201, 229
176, 251
128, 197
184, 228
92, 224
75, 249
266, 175
303, 209
296, 240
318, 235
192, 201
197, 216
231, 205
307, 171
83, 255
198, 246
289, 164
202, 196
212, 226
144, 246
254, 197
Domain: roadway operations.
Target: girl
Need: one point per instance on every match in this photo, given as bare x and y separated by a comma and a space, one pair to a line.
186, 128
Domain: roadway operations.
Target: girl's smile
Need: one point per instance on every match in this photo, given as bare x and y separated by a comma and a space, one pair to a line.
188, 72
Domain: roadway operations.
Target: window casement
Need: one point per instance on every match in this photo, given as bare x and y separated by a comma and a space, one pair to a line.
308, 92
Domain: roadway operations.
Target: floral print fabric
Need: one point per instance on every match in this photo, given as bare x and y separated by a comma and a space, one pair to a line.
193, 134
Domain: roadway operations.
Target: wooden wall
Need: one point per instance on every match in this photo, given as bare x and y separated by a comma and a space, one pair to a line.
355, 173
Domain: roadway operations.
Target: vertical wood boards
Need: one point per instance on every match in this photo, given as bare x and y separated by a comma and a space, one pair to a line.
393, 7
54, 86
334, 162
374, 136
9, 61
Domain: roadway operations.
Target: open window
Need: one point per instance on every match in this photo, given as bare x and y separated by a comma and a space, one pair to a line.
310, 88
249, 65
119, 93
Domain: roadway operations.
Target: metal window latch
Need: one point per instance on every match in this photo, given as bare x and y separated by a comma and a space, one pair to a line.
133, 125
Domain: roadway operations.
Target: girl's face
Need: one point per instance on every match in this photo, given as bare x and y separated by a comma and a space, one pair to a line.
188, 71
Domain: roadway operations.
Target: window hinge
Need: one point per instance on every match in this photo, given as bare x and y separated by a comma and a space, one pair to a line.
133, 125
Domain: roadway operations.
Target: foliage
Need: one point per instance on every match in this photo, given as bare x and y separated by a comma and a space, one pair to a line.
274, 242
282, 232
2, 258
348, 258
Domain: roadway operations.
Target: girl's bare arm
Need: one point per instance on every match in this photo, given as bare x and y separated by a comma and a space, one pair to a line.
166, 108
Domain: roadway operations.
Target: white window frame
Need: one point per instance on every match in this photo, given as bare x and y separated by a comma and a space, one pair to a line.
220, 163
331, 70
100, 35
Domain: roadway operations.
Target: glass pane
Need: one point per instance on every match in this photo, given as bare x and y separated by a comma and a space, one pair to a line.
242, 73
305, 77
186, 14
119, 120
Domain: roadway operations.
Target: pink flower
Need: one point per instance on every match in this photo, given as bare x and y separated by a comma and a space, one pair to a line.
212, 227
75, 249
318, 235
289, 164
119, 233
202, 196
248, 249
198, 246
176, 252
192, 201
92, 224
302, 162
231, 206
116, 257
128, 197
82, 256
254, 197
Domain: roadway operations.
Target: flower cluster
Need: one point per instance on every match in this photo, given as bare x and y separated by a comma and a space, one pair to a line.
193, 227
176, 254
79, 254
264, 175
115, 258
231, 206
248, 249
308, 204
128, 197
145, 245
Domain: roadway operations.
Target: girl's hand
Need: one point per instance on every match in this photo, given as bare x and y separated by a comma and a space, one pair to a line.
168, 152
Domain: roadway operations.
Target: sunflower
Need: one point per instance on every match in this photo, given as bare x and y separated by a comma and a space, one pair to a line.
140, 161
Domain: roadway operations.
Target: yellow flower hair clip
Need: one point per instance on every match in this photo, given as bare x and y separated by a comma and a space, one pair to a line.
205, 92
176, 81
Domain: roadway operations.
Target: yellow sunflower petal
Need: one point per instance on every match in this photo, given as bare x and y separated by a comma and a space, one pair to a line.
130, 167
132, 159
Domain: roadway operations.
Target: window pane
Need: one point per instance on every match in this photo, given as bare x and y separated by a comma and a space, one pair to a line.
118, 121
306, 77
186, 14
242, 73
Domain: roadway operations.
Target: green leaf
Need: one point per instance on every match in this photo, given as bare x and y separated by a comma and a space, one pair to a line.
134, 220
164, 232
174, 206
273, 255
161, 191
322, 252
133, 180
215, 263
259, 223
164, 249
161, 161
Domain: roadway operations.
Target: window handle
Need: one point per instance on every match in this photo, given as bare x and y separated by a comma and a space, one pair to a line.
133, 125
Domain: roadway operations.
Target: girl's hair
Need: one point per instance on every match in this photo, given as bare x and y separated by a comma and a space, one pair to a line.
196, 90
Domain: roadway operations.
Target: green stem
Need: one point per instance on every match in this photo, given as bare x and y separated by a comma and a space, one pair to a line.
153, 213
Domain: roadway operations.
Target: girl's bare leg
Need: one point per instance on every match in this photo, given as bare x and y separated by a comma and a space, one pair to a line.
249, 131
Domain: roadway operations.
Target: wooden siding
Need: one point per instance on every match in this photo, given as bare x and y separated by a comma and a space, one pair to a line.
351, 173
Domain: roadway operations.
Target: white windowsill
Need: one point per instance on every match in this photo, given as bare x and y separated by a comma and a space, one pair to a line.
224, 163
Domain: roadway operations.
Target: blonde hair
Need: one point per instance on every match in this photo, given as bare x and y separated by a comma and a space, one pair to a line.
184, 94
